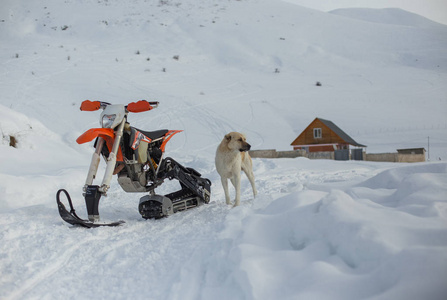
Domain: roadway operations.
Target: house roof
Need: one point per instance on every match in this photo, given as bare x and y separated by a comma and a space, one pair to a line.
410, 150
343, 135
333, 128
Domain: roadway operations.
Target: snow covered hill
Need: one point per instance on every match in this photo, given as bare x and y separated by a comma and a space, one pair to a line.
318, 229
391, 16
383, 84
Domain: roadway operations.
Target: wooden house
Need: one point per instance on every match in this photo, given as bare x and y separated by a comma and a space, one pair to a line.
323, 136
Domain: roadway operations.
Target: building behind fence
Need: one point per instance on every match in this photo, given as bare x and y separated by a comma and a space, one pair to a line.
402, 155
322, 139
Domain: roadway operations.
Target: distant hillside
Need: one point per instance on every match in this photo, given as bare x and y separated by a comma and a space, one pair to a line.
218, 66
395, 16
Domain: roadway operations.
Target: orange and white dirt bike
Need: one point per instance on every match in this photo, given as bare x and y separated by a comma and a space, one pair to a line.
137, 158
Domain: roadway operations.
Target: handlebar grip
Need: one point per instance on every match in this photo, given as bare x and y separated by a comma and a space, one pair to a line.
141, 106
154, 104
88, 105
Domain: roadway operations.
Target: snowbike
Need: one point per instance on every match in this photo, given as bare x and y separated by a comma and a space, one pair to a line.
137, 158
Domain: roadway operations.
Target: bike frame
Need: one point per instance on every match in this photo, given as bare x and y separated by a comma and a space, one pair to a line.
145, 167
110, 137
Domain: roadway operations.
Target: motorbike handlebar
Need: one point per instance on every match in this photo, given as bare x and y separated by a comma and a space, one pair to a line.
141, 106
88, 105
134, 107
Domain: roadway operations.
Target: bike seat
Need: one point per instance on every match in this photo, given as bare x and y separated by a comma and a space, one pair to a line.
153, 135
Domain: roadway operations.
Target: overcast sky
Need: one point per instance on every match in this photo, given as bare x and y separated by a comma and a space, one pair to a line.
435, 10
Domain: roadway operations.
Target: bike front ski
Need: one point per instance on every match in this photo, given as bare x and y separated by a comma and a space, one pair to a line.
72, 218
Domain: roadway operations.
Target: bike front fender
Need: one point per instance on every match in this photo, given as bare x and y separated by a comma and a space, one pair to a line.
106, 133
91, 134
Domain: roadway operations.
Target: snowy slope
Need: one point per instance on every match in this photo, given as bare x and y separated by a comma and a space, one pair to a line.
317, 230
380, 81
391, 16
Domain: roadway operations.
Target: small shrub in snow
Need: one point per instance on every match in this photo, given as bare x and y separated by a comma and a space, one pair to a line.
9, 139
12, 141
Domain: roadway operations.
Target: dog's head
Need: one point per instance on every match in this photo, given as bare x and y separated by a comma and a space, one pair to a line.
237, 141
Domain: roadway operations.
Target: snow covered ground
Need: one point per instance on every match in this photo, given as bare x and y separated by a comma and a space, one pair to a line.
319, 229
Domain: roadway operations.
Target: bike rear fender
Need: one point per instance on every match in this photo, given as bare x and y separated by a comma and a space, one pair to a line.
168, 136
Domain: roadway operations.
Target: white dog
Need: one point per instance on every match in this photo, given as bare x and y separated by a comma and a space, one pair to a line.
231, 158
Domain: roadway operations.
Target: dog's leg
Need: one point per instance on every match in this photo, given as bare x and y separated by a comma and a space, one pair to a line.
247, 167
225, 187
236, 180
251, 178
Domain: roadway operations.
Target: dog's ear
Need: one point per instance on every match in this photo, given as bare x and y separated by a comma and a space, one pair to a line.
228, 137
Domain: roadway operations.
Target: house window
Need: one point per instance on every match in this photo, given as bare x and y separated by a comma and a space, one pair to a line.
317, 133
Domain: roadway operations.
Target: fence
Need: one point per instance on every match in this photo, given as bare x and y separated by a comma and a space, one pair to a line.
379, 157
395, 157
272, 153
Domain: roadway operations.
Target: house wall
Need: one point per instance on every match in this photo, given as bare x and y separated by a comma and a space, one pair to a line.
327, 135
317, 148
